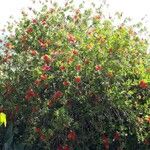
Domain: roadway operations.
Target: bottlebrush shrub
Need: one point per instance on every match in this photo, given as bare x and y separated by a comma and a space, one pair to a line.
75, 81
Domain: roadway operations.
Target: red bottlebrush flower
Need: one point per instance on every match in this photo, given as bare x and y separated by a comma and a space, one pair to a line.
77, 79
57, 95
37, 82
116, 136
46, 68
43, 77
33, 52
143, 84
66, 83
9, 45
43, 22
29, 94
105, 141
34, 21
60, 147
42, 137
72, 135
78, 67
6, 58
71, 38
66, 147
56, 53
70, 60
37, 130
29, 30
75, 52
98, 68
43, 44
62, 68
46, 58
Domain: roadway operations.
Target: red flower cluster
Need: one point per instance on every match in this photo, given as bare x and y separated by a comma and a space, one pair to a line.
78, 67
70, 60
46, 68
33, 52
57, 95
9, 46
98, 68
46, 58
143, 84
42, 136
34, 21
105, 141
66, 83
71, 38
43, 44
37, 82
62, 68
75, 52
72, 136
29, 30
43, 77
60, 147
77, 79
7, 57
43, 22
37, 130
29, 94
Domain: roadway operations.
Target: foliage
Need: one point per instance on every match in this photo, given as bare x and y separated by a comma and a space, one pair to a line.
71, 79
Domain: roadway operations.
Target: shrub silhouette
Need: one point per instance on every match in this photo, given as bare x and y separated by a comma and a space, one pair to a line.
75, 81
